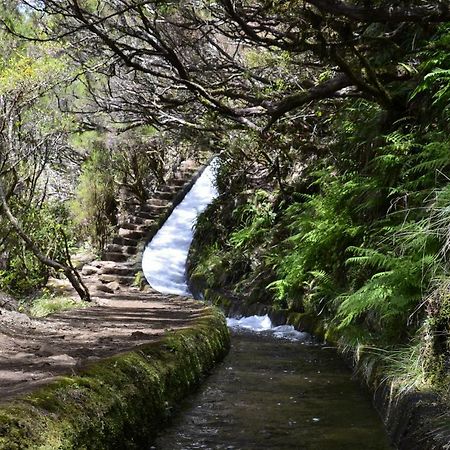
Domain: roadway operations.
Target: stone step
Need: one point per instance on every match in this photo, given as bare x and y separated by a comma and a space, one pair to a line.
119, 270
136, 220
131, 234
155, 204
120, 240
126, 280
146, 215
177, 182
116, 248
187, 172
130, 226
169, 188
149, 219
113, 256
164, 195
145, 221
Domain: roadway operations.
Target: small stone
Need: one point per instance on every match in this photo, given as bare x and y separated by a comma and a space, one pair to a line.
89, 270
114, 286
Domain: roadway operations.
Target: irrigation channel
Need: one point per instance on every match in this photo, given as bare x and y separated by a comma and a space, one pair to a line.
277, 389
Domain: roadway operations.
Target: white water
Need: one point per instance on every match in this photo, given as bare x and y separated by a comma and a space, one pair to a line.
263, 324
164, 258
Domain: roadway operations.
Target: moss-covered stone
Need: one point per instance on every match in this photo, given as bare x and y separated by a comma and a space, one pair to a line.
120, 402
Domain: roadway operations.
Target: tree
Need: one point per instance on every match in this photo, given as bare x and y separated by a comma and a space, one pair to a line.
170, 64
33, 144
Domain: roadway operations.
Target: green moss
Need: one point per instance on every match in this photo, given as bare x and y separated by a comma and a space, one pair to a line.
120, 402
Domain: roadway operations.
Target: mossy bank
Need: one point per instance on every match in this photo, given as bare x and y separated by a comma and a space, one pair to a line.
121, 402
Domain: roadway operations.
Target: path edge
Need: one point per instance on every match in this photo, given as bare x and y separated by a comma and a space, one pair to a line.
122, 401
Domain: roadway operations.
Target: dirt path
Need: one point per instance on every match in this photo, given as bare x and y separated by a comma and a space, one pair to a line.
34, 351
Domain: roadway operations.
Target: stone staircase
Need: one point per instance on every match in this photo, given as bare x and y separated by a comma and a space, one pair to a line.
121, 260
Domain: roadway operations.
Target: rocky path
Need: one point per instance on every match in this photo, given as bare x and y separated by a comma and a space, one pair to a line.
34, 351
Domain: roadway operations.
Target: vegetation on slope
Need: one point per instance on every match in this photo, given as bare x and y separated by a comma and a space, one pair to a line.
357, 237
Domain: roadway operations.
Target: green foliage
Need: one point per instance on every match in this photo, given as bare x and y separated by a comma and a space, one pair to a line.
25, 74
94, 209
50, 226
359, 244
137, 164
435, 73
255, 219
49, 303
319, 230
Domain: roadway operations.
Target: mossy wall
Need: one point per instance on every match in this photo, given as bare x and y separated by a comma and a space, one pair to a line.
121, 402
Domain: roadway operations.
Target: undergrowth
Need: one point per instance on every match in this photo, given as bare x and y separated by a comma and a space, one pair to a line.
358, 237
48, 303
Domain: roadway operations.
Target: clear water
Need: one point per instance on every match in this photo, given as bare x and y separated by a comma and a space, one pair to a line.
279, 394
164, 258
277, 388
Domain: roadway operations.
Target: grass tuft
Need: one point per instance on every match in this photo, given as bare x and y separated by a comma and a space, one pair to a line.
50, 304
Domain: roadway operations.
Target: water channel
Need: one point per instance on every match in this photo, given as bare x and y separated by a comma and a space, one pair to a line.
277, 389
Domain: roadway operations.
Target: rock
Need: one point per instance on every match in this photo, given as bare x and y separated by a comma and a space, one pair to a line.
118, 269
114, 286
109, 288
7, 302
82, 258
107, 278
104, 288
89, 270
59, 286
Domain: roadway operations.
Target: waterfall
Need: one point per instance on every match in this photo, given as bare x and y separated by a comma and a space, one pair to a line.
164, 258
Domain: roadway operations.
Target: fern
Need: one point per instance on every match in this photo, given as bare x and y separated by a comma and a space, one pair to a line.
370, 257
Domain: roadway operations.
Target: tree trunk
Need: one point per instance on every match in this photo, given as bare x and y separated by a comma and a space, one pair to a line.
70, 272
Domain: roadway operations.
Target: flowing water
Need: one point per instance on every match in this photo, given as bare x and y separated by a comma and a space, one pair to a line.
164, 258
277, 389
280, 394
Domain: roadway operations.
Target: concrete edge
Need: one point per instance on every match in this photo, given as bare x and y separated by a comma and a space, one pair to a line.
120, 402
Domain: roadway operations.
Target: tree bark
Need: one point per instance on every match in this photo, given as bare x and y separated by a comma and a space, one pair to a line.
321, 91
70, 272
434, 12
